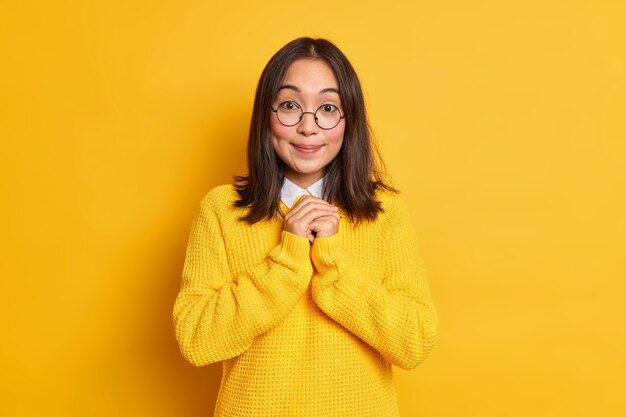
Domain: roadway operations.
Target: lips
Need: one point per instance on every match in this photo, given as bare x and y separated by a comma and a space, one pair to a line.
306, 148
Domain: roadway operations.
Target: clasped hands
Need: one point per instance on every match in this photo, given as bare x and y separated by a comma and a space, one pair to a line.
312, 217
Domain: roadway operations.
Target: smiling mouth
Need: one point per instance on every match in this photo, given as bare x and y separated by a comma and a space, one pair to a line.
307, 148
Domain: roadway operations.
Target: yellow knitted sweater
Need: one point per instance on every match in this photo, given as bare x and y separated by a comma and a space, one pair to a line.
303, 329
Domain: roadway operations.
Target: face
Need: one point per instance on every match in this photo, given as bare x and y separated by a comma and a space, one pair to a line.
306, 149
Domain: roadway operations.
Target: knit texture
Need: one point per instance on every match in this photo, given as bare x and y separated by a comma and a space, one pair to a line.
303, 329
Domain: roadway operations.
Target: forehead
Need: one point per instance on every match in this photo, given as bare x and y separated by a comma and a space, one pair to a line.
310, 75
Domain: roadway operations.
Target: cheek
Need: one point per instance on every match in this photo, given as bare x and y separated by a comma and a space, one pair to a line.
279, 131
335, 136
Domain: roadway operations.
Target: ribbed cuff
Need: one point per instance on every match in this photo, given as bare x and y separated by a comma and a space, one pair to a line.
294, 252
327, 253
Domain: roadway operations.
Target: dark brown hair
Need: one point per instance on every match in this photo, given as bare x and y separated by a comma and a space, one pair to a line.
351, 179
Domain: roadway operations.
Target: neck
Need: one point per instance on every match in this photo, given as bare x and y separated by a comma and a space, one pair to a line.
303, 181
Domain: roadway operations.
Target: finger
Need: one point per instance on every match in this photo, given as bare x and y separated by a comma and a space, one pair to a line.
307, 200
311, 205
312, 214
309, 214
331, 219
304, 211
325, 226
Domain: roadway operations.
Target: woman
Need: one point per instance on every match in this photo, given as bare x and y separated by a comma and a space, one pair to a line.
304, 277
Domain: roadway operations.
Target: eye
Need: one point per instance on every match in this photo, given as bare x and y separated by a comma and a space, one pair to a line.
328, 108
289, 106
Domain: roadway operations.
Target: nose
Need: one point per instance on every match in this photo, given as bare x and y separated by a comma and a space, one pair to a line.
307, 125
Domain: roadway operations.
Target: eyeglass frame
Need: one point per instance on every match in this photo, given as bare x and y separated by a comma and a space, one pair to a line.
275, 110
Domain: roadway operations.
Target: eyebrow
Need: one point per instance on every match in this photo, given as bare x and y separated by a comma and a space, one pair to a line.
296, 89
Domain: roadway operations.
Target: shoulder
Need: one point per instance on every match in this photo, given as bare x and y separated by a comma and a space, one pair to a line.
395, 210
391, 201
220, 199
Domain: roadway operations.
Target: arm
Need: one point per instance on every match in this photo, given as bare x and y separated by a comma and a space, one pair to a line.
216, 315
393, 313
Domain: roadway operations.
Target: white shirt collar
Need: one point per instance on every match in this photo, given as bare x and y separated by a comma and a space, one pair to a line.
290, 191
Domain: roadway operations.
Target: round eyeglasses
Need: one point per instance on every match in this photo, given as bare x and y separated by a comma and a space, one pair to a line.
289, 113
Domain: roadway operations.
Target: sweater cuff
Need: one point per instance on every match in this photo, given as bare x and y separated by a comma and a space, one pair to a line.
293, 253
327, 253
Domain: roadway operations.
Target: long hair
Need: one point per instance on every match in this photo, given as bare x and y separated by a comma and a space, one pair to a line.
351, 179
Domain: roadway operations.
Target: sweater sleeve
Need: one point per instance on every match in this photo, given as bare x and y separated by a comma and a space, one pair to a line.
393, 313
218, 315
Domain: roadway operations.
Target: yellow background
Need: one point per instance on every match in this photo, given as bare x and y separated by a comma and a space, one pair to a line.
502, 122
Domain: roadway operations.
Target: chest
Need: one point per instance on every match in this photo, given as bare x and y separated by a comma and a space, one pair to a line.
247, 245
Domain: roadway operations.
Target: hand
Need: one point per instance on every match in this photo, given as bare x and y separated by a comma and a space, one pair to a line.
324, 226
311, 216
